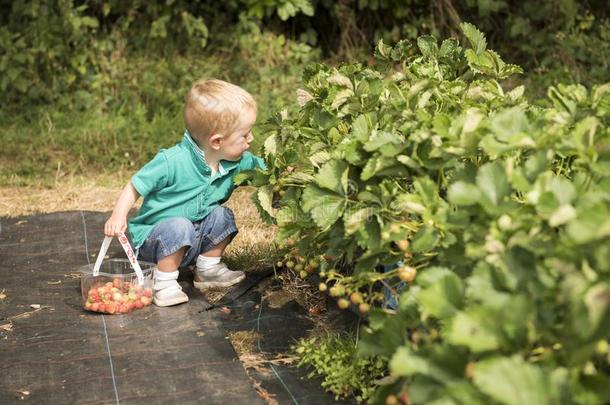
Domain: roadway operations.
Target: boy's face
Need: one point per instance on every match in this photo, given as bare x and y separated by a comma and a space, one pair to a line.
233, 146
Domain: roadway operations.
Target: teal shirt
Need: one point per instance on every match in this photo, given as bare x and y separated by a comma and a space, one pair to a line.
178, 183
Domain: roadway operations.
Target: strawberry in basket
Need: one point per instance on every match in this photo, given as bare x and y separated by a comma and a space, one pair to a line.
117, 286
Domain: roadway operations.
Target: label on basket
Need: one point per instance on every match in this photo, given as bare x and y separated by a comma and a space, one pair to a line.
128, 251
131, 256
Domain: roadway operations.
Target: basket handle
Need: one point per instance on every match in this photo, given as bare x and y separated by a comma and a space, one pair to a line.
128, 251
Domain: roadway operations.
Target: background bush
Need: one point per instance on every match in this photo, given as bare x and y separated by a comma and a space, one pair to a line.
82, 83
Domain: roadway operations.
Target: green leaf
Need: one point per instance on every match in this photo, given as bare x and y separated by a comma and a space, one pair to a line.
512, 381
333, 176
492, 182
449, 48
462, 193
354, 220
270, 145
591, 223
265, 197
406, 363
324, 206
444, 297
360, 128
475, 37
328, 213
425, 239
428, 46
509, 124
474, 329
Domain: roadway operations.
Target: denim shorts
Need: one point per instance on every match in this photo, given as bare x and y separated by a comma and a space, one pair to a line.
172, 234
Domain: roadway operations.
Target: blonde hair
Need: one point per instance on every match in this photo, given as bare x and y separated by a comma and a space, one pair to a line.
215, 106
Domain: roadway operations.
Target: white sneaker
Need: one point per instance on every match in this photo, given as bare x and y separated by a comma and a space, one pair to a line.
217, 275
168, 292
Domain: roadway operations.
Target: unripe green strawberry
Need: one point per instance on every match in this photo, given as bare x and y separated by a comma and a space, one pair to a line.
279, 264
314, 264
505, 222
337, 291
303, 274
602, 347
298, 267
290, 264
322, 287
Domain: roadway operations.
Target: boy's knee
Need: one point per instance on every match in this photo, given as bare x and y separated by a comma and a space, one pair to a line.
178, 227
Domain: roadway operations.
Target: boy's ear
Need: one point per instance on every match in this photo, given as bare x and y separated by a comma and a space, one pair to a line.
215, 141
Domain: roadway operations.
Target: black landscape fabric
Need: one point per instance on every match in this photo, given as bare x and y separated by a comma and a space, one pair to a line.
52, 351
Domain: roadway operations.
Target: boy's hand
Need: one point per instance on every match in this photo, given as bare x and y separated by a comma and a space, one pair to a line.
115, 225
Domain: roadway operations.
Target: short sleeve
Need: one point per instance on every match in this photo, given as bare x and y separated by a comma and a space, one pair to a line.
152, 176
250, 161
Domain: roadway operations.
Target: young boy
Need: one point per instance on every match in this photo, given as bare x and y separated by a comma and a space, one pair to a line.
181, 219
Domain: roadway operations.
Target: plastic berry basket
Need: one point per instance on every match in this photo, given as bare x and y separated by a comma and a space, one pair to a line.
116, 286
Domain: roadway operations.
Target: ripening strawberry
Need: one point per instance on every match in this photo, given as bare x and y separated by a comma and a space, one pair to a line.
364, 308
343, 303
407, 273
403, 244
95, 306
356, 298
391, 400
470, 370
111, 308
117, 283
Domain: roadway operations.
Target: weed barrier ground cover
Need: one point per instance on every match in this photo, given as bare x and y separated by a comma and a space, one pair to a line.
53, 351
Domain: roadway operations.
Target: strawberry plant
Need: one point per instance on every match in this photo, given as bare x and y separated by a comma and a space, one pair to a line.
485, 216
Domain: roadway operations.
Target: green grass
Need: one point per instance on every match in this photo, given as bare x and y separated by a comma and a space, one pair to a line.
134, 108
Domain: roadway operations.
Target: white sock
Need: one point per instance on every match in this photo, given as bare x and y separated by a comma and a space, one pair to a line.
206, 262
167, 280
166, 275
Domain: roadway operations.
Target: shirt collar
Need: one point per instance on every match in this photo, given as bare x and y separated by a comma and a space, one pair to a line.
201, 154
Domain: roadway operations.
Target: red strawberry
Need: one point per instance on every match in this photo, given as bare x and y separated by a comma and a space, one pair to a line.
138, 304
111, 308
95, 306
147, 292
